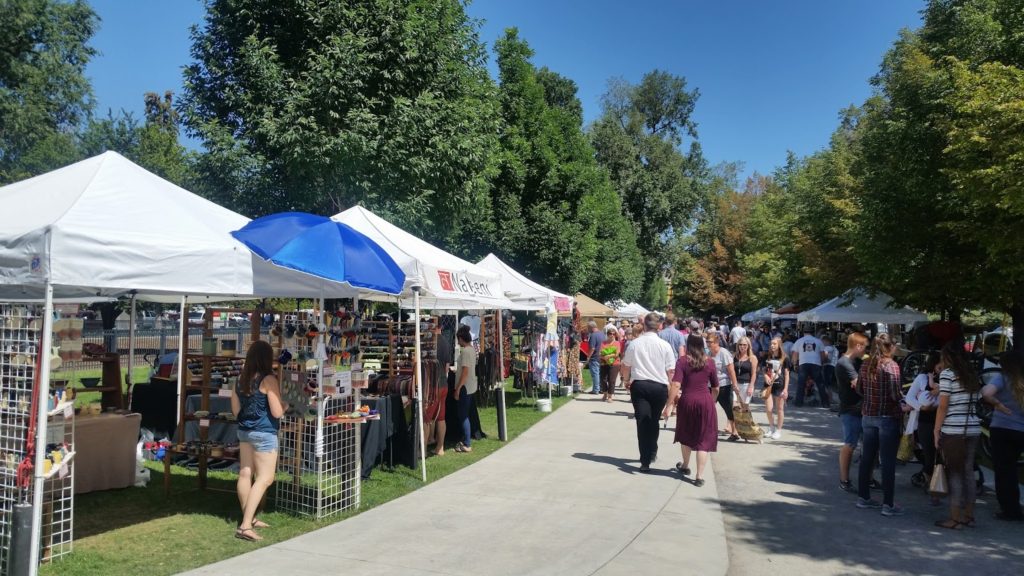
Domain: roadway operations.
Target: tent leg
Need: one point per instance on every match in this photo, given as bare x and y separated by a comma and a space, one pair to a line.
41, 400
182, 357
500, 392
419, 387
131, 349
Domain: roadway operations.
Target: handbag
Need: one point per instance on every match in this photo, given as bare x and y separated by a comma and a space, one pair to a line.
938, 486
906, 451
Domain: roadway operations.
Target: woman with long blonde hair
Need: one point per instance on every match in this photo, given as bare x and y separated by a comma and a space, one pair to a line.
776, 387
745, 363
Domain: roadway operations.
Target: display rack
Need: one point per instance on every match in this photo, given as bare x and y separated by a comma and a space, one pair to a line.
20, 343
319, 443
212, 370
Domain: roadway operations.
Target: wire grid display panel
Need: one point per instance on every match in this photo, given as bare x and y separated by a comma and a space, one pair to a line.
318, 472
20, 341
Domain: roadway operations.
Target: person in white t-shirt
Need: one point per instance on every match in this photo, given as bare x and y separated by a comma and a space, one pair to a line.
808, 354
647, 370
736, 334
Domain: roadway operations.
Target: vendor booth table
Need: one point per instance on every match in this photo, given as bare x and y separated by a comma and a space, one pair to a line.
105, 447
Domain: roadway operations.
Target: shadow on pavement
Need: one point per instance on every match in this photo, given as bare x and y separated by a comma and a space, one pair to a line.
786, 501
628, 465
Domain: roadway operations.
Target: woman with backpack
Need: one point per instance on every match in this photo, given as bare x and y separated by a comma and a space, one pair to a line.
957, 433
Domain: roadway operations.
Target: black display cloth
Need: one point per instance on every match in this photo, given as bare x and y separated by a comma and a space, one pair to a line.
387, 441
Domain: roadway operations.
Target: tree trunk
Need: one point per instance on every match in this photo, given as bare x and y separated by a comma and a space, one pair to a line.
1017, 314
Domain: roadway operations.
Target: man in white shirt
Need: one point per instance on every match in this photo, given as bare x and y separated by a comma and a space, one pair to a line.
808, 354
735, 334
647, 370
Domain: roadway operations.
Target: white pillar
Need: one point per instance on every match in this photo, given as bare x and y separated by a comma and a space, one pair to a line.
419, 386
42, 414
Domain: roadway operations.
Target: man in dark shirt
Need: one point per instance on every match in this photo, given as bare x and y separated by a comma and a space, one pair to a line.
850, 401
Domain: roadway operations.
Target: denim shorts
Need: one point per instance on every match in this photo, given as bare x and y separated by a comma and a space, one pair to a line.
261, 441
851, 429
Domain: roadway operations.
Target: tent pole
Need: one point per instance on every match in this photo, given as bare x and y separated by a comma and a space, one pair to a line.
182, 355
131, 346
502, 422
41, 400
419, 386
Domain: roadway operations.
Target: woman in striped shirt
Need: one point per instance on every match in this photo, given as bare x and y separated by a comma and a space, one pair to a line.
957, 431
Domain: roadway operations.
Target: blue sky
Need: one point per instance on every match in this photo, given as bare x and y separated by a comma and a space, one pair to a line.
773, 75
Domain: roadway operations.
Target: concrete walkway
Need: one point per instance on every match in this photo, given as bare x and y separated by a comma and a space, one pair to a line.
565, 497
785, 514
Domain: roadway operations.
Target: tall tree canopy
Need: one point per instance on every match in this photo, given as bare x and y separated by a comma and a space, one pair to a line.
638, 139
45, 97
322, 105
556, 215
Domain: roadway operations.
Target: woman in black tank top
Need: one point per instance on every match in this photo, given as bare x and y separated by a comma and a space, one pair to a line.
746, 370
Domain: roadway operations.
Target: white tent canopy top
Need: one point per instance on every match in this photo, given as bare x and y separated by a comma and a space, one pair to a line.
631, 310
106, 227
857, 306
525, 293
446, 281
761, 315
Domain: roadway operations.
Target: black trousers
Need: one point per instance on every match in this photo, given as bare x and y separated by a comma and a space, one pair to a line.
649, 400
725, 401
1007, 446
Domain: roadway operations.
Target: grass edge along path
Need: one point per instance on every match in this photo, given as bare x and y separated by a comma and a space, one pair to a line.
140, 531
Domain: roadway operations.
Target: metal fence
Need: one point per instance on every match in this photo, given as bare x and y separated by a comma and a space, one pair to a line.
156, 342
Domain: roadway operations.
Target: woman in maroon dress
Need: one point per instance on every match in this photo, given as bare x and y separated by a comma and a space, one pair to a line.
696, 418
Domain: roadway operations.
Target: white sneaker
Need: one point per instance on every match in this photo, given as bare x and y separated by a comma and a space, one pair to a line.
771, 433
777, 434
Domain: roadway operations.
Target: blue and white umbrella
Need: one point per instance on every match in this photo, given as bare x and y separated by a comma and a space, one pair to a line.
323, 248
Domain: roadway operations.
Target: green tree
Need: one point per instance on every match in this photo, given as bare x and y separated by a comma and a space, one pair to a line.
44, 94
323, 105
638, 139
159, 150
556, 215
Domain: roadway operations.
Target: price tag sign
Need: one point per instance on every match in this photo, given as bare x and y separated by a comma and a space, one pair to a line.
224, 393
204, 423
343, 383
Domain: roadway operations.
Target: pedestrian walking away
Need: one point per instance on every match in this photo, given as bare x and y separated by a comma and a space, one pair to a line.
808, 354
696, 418
647, 369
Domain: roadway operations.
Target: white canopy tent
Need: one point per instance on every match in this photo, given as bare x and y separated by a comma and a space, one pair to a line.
434, 279
525, 293
631, 310
760, 315
857, 306
105, 227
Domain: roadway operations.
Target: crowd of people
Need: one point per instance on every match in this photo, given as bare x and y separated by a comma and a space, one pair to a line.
687, 369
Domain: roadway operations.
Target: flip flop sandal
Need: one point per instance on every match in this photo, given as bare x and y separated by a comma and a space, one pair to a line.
949, 524
248, 534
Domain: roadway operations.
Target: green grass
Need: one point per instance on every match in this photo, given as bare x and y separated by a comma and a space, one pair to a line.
140, 531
